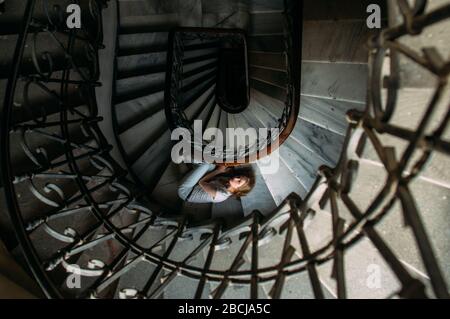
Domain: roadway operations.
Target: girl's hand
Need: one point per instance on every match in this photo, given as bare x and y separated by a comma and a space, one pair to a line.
221, 168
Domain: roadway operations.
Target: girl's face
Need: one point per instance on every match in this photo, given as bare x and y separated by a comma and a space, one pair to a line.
238, 181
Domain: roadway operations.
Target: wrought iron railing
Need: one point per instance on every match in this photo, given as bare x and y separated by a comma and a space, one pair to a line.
84, 183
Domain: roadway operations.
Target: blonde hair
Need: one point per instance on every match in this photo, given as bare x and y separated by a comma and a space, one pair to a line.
245, 171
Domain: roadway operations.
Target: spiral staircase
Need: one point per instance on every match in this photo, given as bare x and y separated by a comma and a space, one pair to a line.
358, 207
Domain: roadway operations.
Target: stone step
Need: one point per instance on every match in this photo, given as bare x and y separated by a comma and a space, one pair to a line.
327, 145
166, 191
327, 113
340, 81
303, 163
410, 108
259, 198
230, 211
282, 183
336, 41
361, 263
266, 43
255, 6
152, 163
132, 112
140, 43
268, 89
151, 23
148, 130
135, 87
268, 60
432, 203
266, 23
337, 10
270, 76
140, 64
147, 7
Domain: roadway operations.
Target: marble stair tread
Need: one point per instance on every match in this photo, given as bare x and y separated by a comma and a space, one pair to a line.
213, 122
433, 205
233, 20
327, 145
132, 112
327, 112
336, 41
223, 121
136, 277
148, 130
191, 94
202, 102
231, 140
261, 99
140, 273
259, 198
282, 183
268, 89
205, 65
255, 6
301, 162
151, 23
197, 53
223, 258
266, 23
219, 6
147, 7
269, 76
323, 146
140, 43
138, 86
359, 263
208, 110
161, 16
205, 110
261, 114
199, 78
141, 64
151, 164
413, 75
266, 43
224, 14
229, 211
143, 157
183, 287
269, 60
166, 191
410, 108
296, 286
338, 10
335, 80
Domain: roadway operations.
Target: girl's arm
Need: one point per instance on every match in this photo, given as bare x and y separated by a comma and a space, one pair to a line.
204, 181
